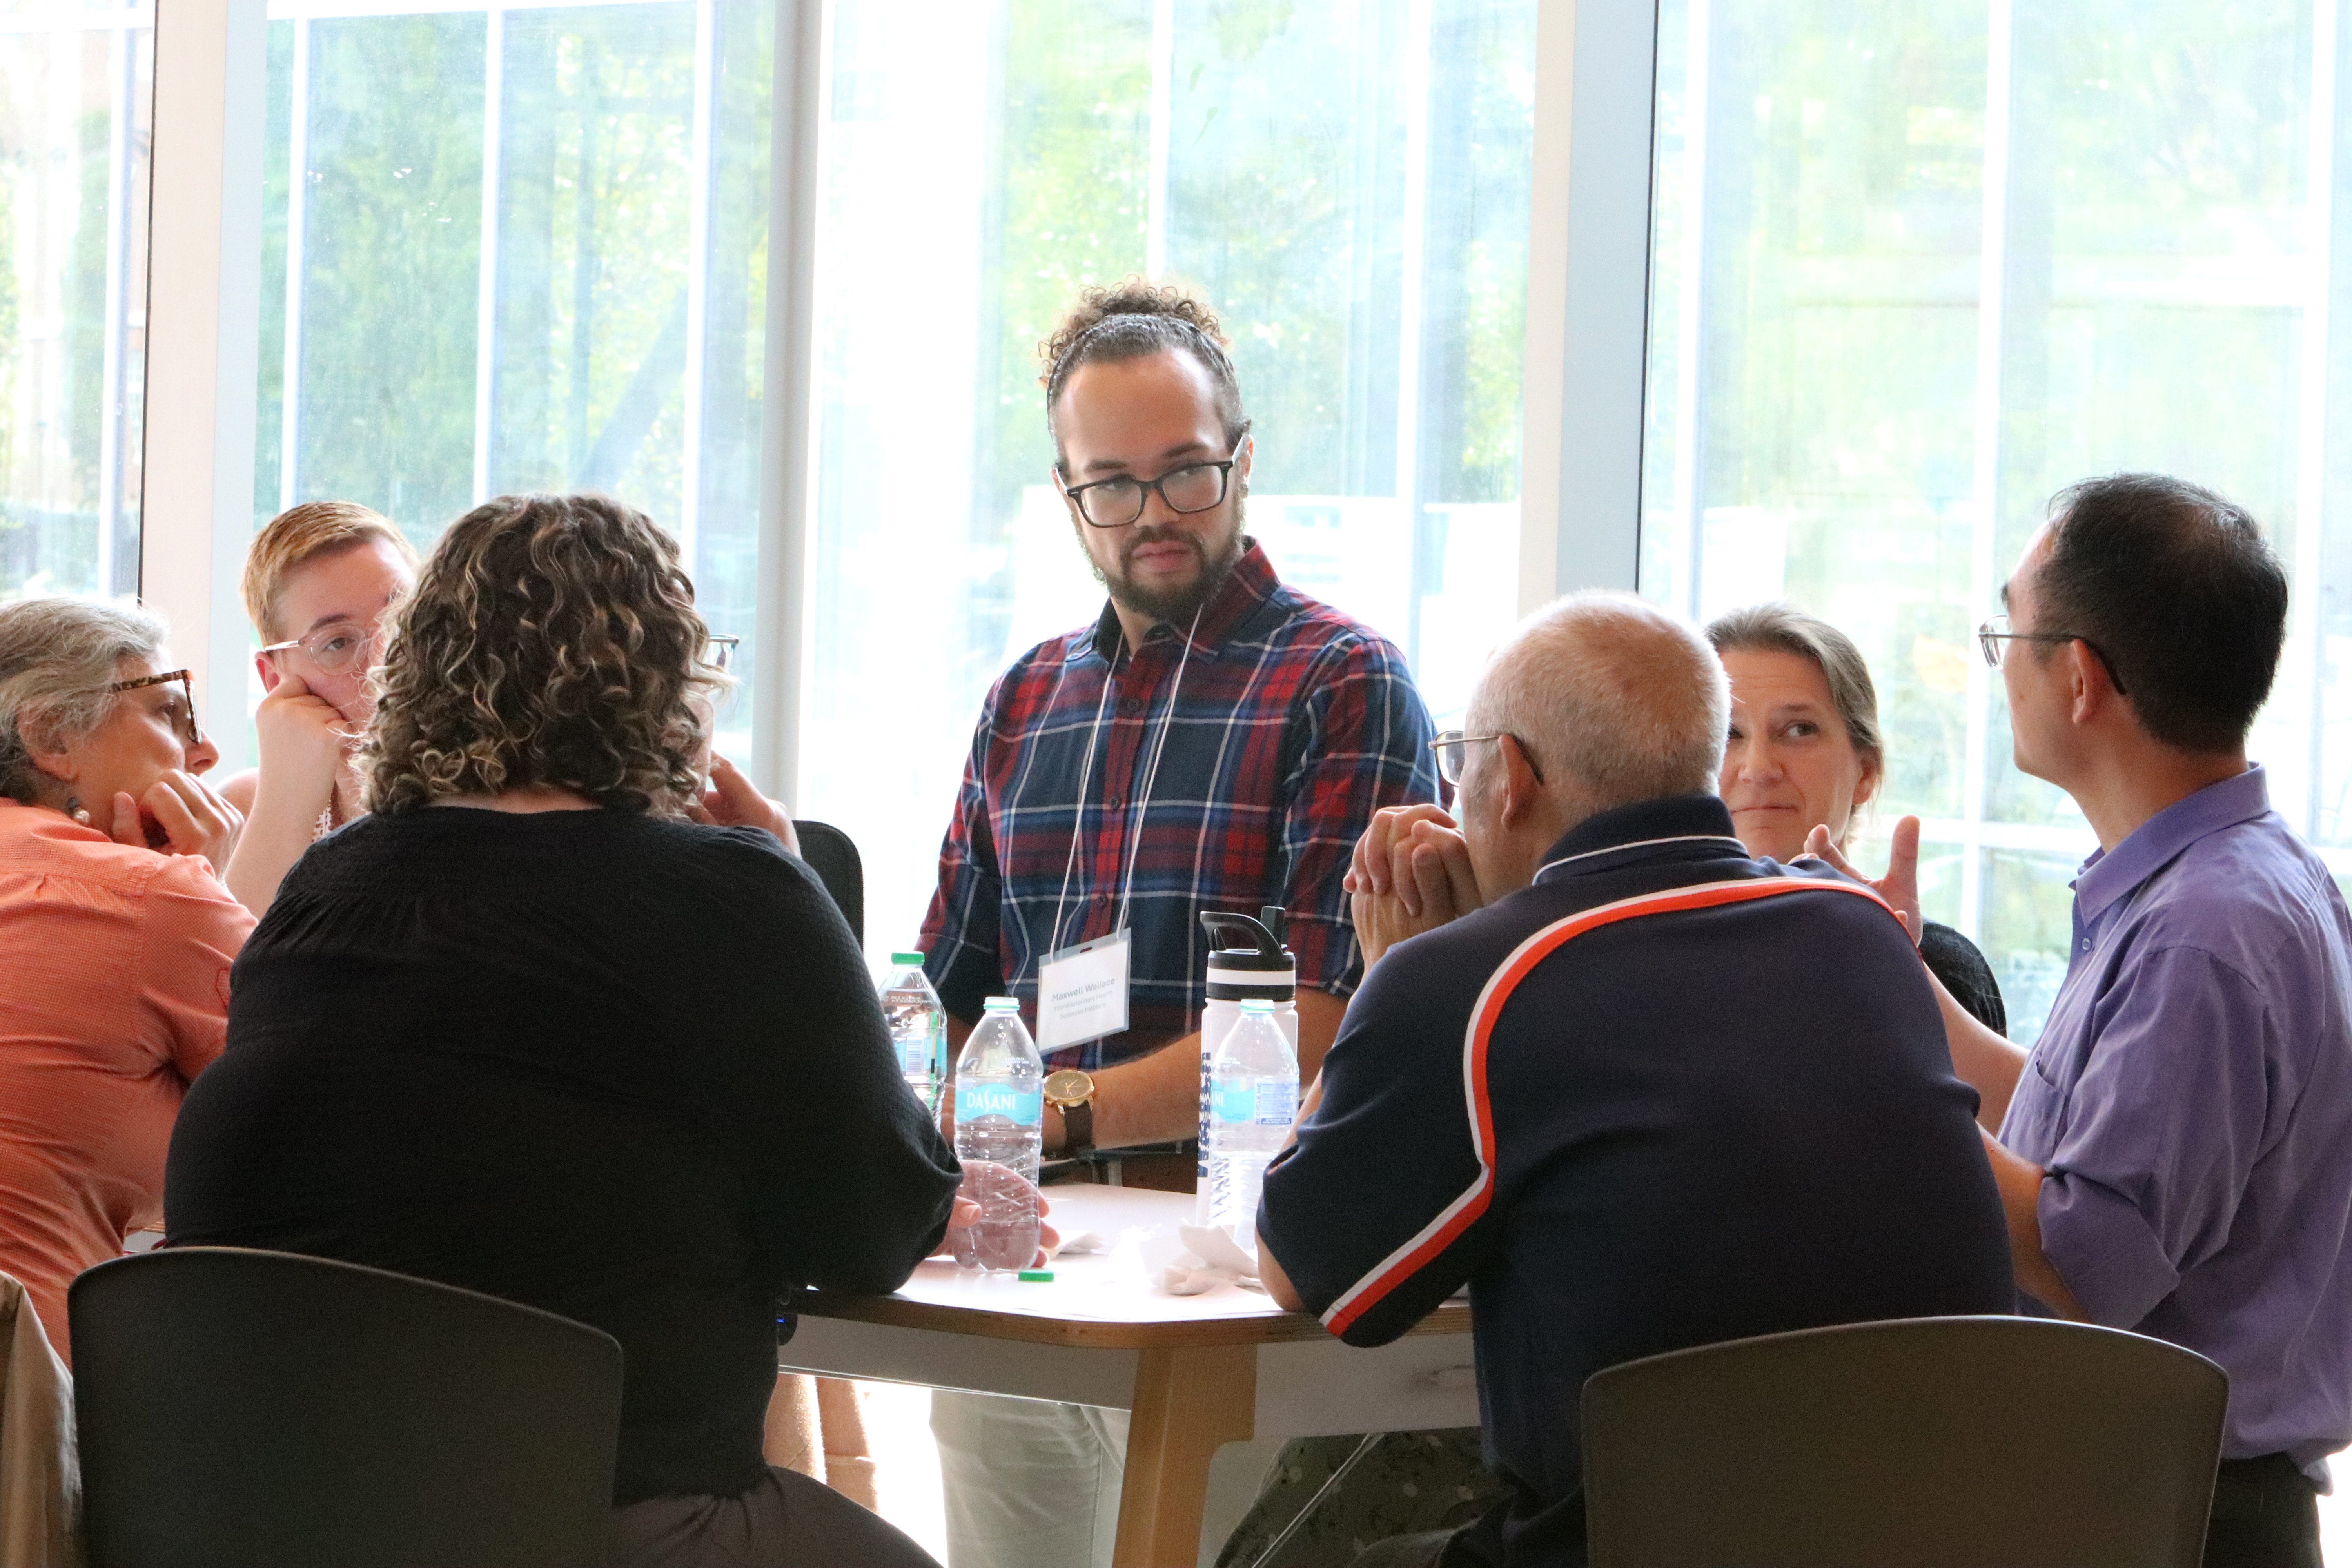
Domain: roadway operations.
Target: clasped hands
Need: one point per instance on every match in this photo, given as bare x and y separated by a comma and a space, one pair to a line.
1409, 873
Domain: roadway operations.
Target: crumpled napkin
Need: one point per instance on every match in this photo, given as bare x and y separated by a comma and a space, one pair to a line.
1197, 1258
1078, 1246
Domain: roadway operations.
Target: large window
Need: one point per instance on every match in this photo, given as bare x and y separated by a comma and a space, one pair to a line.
1347, 180
75, 92
1917, 265
520, 249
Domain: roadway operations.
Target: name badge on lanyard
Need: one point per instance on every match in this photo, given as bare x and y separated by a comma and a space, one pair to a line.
1082, 993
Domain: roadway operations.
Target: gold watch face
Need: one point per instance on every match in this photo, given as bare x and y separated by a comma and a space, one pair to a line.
1069, 1087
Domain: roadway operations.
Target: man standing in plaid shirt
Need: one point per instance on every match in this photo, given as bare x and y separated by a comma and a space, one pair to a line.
1213, 740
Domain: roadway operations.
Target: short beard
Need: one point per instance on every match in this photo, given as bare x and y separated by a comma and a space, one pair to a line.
1181, 603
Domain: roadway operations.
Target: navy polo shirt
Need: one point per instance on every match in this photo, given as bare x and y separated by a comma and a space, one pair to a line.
1666, 1095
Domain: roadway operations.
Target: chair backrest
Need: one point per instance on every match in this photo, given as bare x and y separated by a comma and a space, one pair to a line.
830, 854
1933, 1443
241, 1408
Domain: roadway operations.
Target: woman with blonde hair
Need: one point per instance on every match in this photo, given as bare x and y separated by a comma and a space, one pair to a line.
115, 935
320, 579
1805, 752
535, 1028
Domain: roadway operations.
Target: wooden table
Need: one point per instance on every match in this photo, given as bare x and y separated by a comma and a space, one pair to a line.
1194, 1372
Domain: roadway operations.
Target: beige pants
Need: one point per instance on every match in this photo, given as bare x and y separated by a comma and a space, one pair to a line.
1028, 1484
816, 1425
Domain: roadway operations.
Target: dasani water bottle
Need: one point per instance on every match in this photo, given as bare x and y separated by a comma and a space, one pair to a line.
918, 1027
1000, 1129
1253, 1101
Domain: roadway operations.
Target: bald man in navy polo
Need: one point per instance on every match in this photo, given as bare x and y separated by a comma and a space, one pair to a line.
1634, 1089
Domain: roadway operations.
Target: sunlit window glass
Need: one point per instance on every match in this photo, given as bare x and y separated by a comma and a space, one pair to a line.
1345, 182
76, 95
522, 248
1917, 267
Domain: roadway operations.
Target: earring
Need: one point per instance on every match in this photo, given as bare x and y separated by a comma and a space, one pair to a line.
75, 809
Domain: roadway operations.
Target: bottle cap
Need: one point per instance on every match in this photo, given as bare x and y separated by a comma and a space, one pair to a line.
1258, 1004
908, 960
1244, 943
1002, 1005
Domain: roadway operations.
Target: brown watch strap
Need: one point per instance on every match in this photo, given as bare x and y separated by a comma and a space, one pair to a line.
1077, 1128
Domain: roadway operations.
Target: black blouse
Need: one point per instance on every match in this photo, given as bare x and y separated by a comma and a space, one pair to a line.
1954, 960
625, 1069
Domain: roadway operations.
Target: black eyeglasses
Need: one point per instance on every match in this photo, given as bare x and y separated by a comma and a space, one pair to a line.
721, 652
1116, 502
187, 698
1995, 632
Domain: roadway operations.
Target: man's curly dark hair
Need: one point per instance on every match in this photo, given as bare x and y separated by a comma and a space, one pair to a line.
1135, 319
551, 642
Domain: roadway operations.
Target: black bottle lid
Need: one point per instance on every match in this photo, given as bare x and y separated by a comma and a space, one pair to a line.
1246, 943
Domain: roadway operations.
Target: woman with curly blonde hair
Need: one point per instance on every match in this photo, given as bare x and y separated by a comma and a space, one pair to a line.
554, 1024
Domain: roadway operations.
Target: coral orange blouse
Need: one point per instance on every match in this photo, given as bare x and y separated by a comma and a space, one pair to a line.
113, 995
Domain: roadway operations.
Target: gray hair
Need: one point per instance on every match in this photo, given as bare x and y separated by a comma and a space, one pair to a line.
57, 657
1614, 698
1784, 628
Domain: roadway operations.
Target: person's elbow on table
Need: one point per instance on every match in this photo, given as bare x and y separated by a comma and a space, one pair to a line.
1278, 1287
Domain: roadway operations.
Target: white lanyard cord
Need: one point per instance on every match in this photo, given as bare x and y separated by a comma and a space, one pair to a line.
1086, 777
1077, 821
1142, 808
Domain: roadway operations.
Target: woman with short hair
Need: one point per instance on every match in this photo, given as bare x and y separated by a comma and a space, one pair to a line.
1805, 752
321, 579
116, 936
532, 1029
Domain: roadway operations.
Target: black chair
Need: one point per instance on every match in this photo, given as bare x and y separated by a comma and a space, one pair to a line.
240, 1408
1932, 1443
829, 852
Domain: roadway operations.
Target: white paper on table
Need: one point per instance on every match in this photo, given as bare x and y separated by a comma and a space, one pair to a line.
1079, 1246
1185, 1260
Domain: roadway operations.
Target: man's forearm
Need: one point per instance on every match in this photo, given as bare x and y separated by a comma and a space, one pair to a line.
1157, 1099
1984, 1061
2019, 1181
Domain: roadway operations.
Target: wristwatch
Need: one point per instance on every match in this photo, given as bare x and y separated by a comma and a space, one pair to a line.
1073, 1092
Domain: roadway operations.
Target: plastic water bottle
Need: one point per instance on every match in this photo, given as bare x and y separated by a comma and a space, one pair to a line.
1253, 1101
918, 1027
1000, 1127
1246, 962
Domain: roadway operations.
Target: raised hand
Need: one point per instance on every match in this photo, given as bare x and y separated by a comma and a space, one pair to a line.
1899, 887
732, 801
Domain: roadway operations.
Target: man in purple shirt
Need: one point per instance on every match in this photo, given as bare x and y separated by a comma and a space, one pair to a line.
2175, 1153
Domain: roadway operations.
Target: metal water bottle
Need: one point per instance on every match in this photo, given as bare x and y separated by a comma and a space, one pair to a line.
1246, 962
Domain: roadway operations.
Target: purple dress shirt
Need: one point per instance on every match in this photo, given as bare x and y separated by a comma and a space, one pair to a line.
2192, 1101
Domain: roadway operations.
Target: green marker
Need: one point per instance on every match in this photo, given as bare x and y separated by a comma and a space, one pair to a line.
1037, 1277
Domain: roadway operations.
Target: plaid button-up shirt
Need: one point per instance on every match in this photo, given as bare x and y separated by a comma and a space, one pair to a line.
1292, 724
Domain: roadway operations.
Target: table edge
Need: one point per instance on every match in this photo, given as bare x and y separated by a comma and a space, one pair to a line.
1285, 1328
